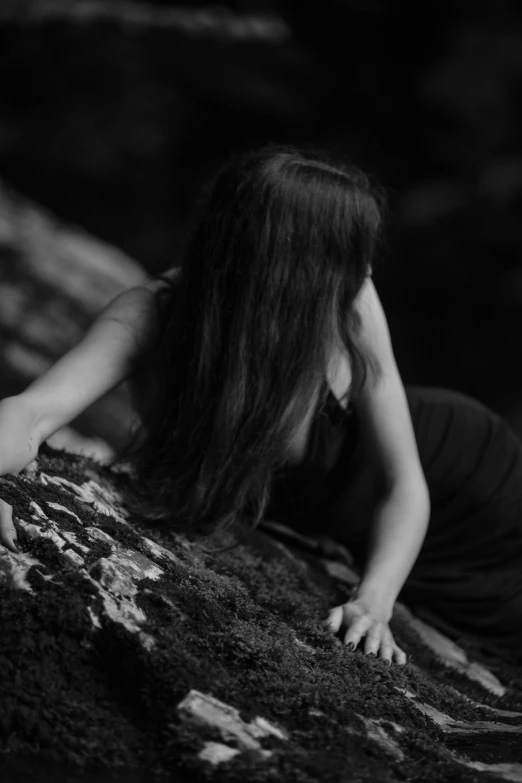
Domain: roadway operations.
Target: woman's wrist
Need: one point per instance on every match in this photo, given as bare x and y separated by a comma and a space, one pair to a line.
399, 528
376, 595
27, 409
19, 434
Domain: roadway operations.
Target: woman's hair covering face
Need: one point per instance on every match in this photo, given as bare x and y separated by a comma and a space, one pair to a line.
279, 247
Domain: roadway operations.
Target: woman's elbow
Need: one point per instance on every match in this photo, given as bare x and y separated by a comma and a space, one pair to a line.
423, 496
413, 488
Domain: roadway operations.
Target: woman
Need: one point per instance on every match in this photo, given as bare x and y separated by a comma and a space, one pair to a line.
267, 387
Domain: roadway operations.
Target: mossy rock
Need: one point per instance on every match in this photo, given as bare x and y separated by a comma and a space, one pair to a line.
129, 651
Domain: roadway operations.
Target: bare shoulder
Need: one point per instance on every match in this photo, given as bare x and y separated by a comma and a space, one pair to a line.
139, 310
161, 291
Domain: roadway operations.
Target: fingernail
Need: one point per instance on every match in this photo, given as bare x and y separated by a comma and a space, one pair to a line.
371, 655
351, 646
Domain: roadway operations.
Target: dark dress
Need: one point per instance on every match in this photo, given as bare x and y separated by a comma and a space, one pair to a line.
467, 579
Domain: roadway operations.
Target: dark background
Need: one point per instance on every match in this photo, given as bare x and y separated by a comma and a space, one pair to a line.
112, 114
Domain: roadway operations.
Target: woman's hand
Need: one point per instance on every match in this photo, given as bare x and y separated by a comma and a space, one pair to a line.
7, 528
359, 618
19, 443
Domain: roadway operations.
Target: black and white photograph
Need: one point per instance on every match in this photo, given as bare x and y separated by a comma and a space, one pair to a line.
260, 391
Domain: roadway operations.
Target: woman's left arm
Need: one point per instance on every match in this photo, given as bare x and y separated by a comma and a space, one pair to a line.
401, 517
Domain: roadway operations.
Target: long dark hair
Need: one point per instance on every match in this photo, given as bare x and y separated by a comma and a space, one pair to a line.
279, 249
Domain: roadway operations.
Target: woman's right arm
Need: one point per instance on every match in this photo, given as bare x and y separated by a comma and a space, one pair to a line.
107, 354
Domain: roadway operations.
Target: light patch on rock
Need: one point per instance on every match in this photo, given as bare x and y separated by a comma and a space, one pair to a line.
495, 710
119, 572
260, 727
304, 645
14, 568
35, 531
159, 551
94, 617
45, 479
123, 610
58, 507
71, 559
507, 771
451, 654
101, 535
456, 694
101, 499
147, 640
29, 530
115, 580
105, 500
125, 567
390, 723
128, 561
111, 577
71, 538
31, 470
46, 577
208, 710
134, 564
39, 513
3, 480
217, 753
454, 726
377, 734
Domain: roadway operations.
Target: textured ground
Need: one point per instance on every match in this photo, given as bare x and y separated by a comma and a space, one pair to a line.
126, 651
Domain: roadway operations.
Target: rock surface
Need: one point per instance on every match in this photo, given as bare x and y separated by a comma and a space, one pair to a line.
54, 281
132, 650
